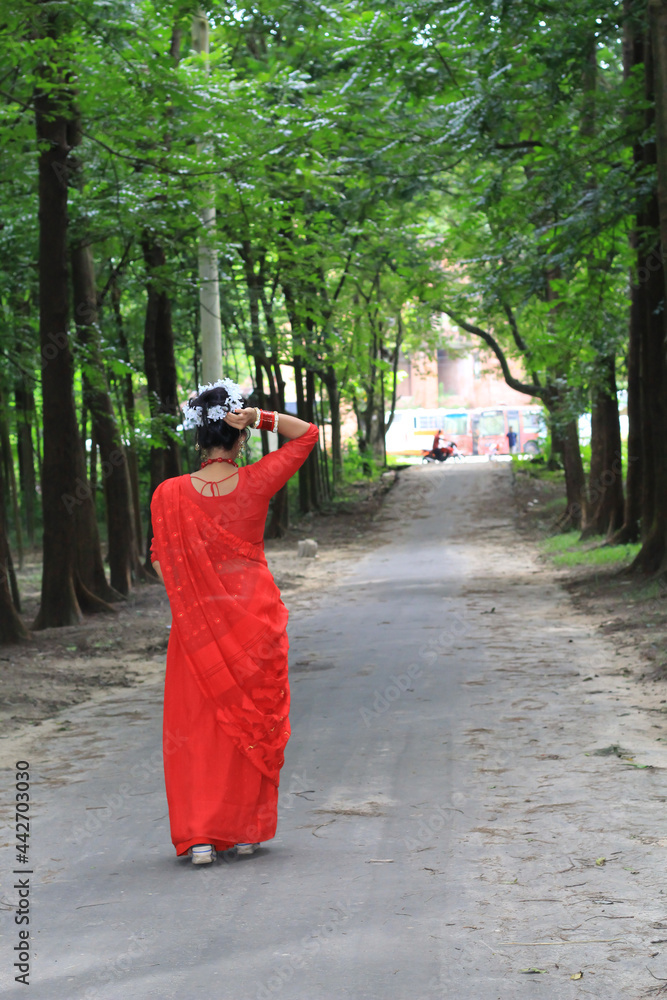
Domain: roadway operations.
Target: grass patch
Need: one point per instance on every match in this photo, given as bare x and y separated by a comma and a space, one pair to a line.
648, 591
535, 468
554, 506
403, 460
567, 550
561, 543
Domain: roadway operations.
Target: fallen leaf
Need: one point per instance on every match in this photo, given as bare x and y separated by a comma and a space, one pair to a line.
577, 975
533, 972
600, 861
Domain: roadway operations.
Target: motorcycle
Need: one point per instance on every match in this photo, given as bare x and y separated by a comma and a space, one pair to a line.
429, 457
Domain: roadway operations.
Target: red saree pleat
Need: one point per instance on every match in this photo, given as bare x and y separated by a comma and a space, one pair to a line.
225, 735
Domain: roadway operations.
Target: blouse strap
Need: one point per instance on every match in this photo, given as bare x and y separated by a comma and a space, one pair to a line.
211, 483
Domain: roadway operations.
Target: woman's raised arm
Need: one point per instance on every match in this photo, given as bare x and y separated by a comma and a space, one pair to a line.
289, 426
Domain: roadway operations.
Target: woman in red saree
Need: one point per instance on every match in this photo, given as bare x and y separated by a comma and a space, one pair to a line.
226, 698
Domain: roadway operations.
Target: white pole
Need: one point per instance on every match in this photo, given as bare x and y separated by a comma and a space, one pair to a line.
209, 288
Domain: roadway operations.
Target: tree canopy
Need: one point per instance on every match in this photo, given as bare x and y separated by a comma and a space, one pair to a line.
356, 171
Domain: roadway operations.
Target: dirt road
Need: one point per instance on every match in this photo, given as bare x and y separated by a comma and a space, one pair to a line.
472, 805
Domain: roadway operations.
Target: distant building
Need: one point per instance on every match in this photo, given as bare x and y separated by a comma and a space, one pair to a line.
462, 375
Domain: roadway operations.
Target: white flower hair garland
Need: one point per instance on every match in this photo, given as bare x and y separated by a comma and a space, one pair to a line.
193, 415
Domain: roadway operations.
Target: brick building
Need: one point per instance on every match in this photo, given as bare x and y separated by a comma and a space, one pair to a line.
462, 375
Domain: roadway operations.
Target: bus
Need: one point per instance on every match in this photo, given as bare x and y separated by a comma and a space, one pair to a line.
475, 432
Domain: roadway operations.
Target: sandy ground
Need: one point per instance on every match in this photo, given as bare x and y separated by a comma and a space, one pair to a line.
630, 610
495, 829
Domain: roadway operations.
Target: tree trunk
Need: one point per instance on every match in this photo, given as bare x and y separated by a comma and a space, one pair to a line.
629, 530
603, 512
209, 287
254, 287
279, 519
92, 589
12, 628
312, 462
653, 555
330, 379
24, 401
128, 399
633, 56
59, 605
325, 476
160, 371
123, 555
10, 479
565, 442
575, 481
13, 582
304, 488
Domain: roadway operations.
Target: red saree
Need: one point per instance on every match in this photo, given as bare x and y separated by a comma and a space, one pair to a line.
226, 699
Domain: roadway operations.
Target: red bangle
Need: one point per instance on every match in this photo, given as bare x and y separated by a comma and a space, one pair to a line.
267, 420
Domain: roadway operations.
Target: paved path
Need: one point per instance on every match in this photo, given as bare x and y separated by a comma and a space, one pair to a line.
439, 812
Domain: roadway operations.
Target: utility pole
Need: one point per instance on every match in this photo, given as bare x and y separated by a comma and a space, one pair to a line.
209, 288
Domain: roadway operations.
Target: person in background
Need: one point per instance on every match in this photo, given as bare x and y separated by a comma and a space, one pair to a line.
226, 694
512, 440
436, 447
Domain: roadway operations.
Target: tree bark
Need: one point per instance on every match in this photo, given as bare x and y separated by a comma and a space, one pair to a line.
10, 480
24, 401
209, 286
127, 392
575, 480
565, 441
12, 628
59, 605
330, 380
634, 51
652, 557
629, 530
279, 519
122, 551
304, 487
160, 371
603, 513
313, 462
254, 287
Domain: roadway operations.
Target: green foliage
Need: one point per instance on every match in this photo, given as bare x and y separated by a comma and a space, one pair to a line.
371, 165
358, 464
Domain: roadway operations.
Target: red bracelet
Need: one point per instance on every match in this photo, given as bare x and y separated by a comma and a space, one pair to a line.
267, 420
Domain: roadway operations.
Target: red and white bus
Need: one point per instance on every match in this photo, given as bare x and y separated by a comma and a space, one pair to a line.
475, 432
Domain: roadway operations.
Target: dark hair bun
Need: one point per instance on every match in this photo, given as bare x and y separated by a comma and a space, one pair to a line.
214, 432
